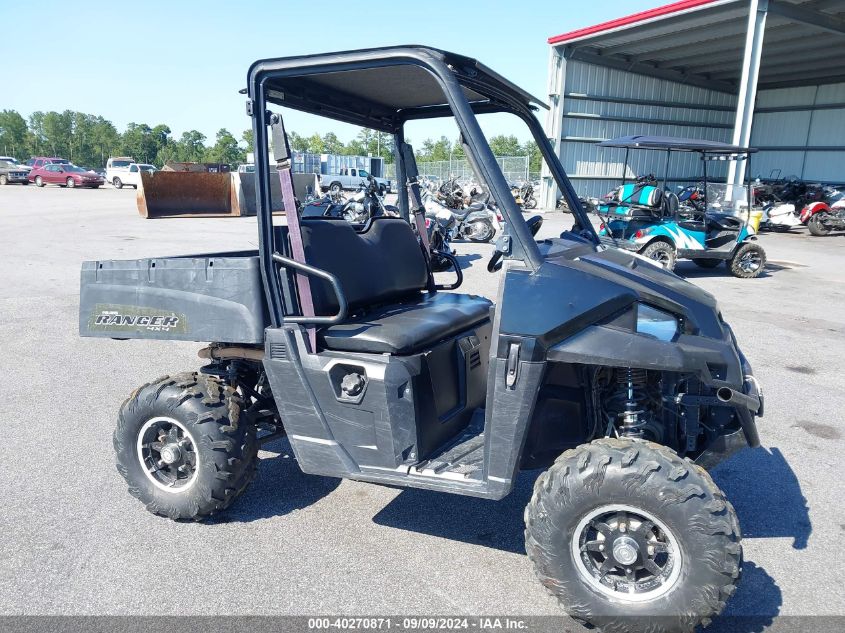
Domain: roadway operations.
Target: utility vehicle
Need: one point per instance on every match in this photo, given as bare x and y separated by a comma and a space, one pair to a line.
708, 225
619, 379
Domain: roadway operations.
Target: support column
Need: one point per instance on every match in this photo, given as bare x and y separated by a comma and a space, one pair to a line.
554, 124
757, 12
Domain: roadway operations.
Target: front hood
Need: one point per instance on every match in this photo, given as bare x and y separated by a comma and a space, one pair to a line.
580, 284
649, 282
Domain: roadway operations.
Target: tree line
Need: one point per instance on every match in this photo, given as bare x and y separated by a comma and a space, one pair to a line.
88, 140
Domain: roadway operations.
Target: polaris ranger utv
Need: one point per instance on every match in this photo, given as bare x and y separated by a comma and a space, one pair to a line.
618, 378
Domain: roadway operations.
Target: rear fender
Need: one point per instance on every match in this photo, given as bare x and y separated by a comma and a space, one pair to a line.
811, 209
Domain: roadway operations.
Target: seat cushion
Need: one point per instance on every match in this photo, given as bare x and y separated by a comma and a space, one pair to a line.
407, 327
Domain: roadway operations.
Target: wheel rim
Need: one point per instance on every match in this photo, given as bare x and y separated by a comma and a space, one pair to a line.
626, 553
38, 180
662, 257
168, 454
70, 183
481, 231
818, 221
750, 262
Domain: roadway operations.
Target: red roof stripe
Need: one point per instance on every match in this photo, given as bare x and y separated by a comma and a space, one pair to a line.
675, 7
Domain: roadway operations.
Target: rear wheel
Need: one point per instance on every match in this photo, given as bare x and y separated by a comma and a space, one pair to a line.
817, 226
748, 261
183, 447
629, 536
335, 189
662, 252
117, 182
39, 182
707, 263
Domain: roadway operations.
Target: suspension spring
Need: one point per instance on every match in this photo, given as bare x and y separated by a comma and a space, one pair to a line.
634, 382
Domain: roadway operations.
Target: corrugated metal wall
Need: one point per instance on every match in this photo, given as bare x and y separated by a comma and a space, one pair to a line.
600, 103
800, 131
787, 120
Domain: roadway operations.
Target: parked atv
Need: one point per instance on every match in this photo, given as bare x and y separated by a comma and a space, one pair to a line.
710, 226
618, 379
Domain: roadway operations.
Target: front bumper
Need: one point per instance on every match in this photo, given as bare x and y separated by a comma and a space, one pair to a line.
748, 407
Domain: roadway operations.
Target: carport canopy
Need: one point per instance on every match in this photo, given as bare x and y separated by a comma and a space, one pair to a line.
703, 42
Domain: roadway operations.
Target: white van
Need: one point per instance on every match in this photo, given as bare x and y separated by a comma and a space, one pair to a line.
117, 168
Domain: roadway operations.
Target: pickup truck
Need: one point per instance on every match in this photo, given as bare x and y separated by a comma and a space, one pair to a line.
350, 178
117, 168
130, 175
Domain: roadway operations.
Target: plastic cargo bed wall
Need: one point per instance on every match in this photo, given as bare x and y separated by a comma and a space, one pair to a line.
203, 298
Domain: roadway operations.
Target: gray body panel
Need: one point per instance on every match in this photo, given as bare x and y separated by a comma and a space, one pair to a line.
215, 298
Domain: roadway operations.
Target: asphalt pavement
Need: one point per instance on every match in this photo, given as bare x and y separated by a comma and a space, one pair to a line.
74, 542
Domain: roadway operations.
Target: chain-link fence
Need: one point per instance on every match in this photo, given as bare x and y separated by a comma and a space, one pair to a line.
515, 169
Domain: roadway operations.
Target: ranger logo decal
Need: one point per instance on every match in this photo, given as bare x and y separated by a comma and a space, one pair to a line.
117, 318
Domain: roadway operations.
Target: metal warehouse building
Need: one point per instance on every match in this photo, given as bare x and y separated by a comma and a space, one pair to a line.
765, 73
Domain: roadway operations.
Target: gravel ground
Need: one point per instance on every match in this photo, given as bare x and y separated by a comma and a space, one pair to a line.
74, 542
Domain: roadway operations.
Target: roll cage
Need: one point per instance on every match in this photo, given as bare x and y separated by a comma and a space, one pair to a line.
382, 89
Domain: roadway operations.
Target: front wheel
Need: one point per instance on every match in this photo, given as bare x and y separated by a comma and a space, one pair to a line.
816, 225
662, 252
629, 536
748, 261
183, 446
70, 182
480, 231
531, 203
3, 180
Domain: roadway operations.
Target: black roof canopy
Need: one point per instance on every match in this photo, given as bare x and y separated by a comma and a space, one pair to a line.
676, 144
380, 88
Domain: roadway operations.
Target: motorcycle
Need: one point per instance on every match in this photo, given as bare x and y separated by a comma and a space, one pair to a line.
477, 222
779, 217
451, 194
524, 195
364, 204
826, 215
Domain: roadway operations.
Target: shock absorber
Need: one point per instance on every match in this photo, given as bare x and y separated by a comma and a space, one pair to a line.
633, 381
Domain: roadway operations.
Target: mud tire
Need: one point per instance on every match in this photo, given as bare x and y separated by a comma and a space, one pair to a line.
653, 478
225, 444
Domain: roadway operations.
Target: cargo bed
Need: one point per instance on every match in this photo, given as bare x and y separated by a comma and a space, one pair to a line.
215, 297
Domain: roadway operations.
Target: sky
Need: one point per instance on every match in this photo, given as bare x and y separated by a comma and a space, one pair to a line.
182, 62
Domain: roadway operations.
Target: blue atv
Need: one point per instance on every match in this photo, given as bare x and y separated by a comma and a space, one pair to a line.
658, 224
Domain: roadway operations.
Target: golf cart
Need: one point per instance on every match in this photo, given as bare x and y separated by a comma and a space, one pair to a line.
708, 223
616, 377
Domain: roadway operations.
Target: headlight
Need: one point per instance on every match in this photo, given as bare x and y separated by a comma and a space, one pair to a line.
656, 323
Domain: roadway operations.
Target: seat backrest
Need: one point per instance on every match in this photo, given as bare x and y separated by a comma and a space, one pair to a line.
382, 263
635, 193
672, 203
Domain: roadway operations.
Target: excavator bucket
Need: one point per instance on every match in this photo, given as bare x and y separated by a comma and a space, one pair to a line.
174, 194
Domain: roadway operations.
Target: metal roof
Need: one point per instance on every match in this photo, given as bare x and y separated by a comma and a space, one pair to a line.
379, 87
701, 42
675, 144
